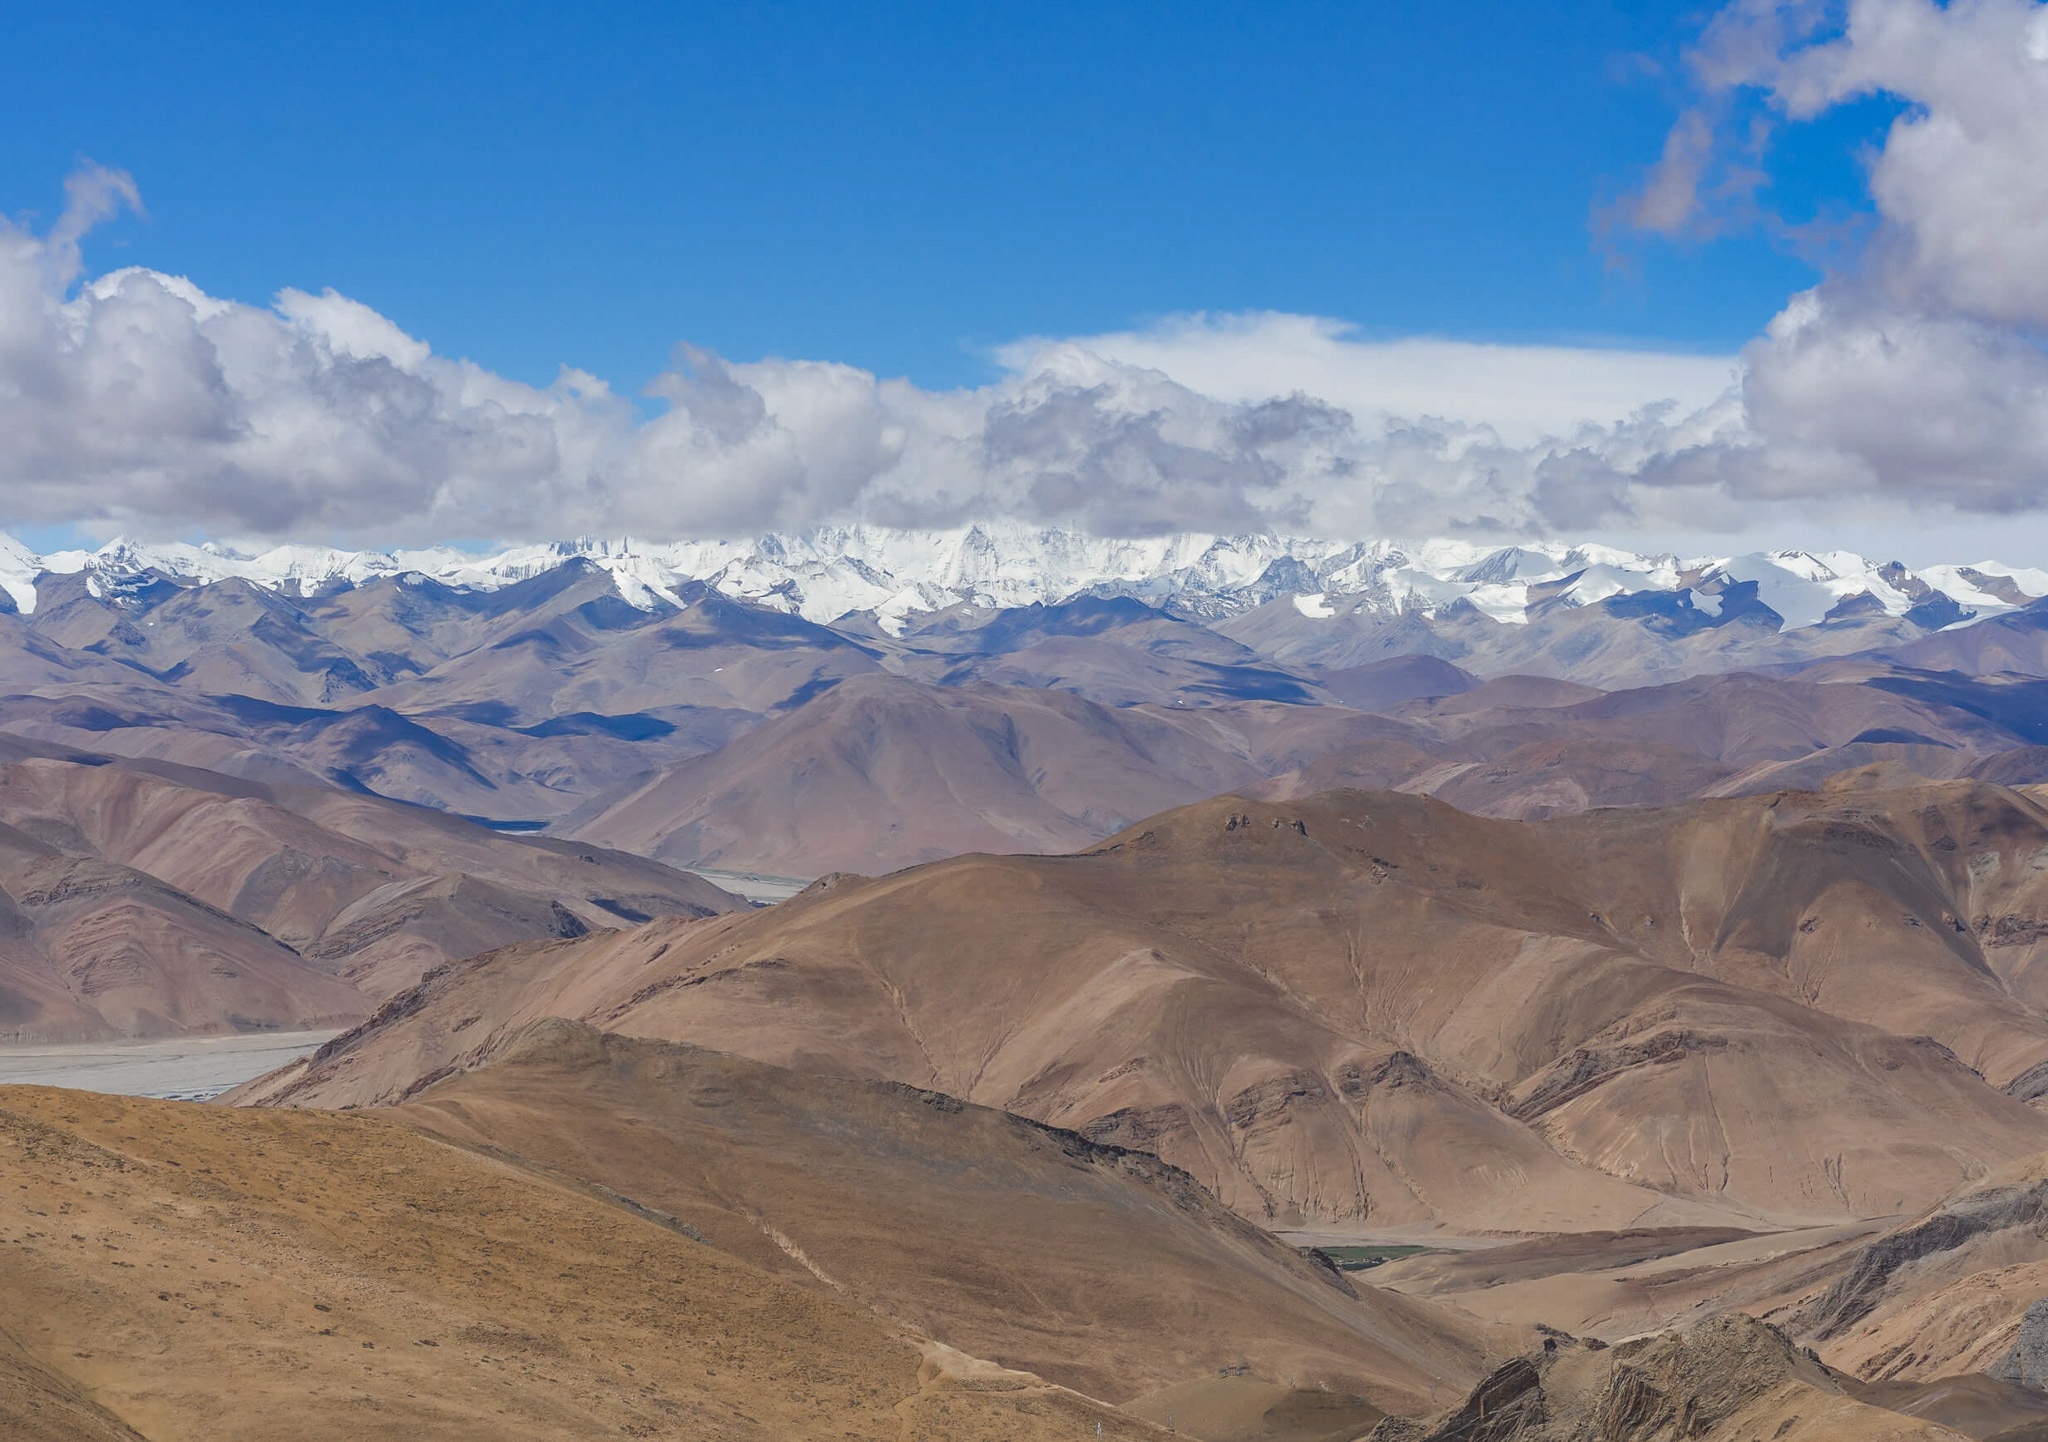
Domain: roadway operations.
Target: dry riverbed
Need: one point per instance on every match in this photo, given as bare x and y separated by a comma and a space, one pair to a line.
186, 1068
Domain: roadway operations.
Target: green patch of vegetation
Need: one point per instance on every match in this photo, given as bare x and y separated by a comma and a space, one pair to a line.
1357, 1259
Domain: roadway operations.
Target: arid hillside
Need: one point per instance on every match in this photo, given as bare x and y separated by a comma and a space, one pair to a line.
187, 1273
1730, 1379
588, 1235
882, 772
712, 725
1938, 1315
145, 899
1093, 1266
1371, 1010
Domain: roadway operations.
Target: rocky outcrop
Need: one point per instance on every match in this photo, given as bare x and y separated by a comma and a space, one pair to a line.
2027, 1362
1858, 1291
1509, 1404
1729, 1378
1590, 1067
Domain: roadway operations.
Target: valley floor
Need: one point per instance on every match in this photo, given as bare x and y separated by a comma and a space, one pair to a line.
766, 890
186, 1068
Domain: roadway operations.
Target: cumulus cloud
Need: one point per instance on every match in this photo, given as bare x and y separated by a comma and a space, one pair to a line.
136, 400
140, 400
1915, 372
1911, 380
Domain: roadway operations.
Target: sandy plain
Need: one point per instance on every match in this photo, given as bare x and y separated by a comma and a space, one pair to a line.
184, 1068
754, 886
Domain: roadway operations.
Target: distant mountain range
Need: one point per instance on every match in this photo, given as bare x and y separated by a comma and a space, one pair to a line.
898, 580
862, 699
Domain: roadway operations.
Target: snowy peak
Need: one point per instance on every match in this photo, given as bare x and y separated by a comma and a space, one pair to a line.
895, 576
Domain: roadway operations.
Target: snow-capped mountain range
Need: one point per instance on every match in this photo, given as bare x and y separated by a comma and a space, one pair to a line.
894, 576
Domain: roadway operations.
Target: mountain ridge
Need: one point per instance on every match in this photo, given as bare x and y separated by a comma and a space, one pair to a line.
893, 576
1370, 1008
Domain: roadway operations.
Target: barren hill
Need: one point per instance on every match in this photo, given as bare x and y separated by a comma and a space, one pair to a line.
142, 898
1939, 1314
1368, 1008
883, 772
795, 1257
888, 769
1530, 747
191, 1273
568, 693
586, 687
1730, 1379
1092, 1266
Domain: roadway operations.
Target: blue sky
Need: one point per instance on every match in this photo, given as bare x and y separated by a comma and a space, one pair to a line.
1702, 278
895, 186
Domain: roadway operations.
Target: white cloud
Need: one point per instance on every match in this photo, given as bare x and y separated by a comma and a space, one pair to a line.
351, 329
1523, 393
1902, 397
138, 401
1959, 183
1915, 373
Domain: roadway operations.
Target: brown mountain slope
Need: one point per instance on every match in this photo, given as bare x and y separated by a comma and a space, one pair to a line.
1092, 1266
1911, 1304
1116, 650
1383, 685
2016, 642
35, 1403
553, 698
1527, 747
149, 899
232, 637
29, 658
336, 874
199, 1273
584, 649
1371, 1008
1943, 1293
1939, 1315
1116, 1039
881, 771
269, 742
1551, 776
449, 760
89, 949
1732, 1379
1738, 718
1943, 1315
